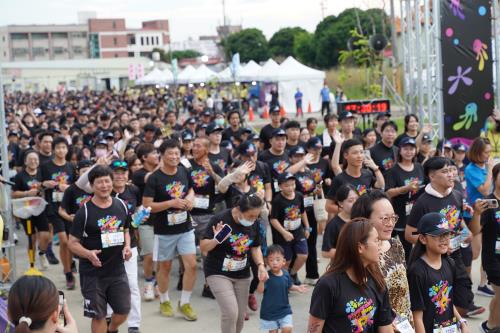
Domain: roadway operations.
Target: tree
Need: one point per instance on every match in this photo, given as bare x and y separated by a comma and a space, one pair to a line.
282, 42
185, 54
251, 44
304, 48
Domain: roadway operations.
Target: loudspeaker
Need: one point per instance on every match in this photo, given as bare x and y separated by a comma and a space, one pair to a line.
378, 42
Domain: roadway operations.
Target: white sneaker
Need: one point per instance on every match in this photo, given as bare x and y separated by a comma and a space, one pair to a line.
149, 294
311, 282
42, 262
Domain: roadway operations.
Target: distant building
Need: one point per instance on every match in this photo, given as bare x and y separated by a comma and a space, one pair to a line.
225, 30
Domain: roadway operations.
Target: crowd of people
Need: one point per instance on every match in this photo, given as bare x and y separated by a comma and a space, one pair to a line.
130, 186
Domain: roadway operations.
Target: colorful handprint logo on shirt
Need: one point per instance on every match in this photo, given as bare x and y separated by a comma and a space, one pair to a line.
497, 216
60, 177
411, 180
440, 295
292, 212
33, 184
307, 183
240, 244
110, 223
256, 182
317, 175
452, 215
387, 163
361, 189
221, 163
360, 312
82, 200
280, 166
200, 178
175, 189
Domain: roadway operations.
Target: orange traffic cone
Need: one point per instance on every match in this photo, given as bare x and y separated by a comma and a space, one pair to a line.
309, 108
265, 114
282, 111
250, 114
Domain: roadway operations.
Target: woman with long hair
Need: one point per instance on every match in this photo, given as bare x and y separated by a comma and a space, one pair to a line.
411, 128
352, 296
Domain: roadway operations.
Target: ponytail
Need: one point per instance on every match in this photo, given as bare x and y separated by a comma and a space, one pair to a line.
418, 250
249, 201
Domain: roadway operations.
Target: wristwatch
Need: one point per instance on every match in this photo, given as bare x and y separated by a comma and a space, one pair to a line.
462, 321
310, 229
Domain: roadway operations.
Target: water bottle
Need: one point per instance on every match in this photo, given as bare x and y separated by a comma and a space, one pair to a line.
463, 235
140, 215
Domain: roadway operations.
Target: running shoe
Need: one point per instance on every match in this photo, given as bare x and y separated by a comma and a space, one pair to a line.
295, 279
475, 310
70, 284
149, 293
51, 258
485, 291
484, 327
42, 261
311, 282
134, 330
187, 311
207, 292
252, 302
166, 309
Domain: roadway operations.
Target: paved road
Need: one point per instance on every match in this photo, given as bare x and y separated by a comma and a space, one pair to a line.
207, 309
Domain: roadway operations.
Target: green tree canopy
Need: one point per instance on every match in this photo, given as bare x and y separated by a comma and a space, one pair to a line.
251, 44
282, 42
304, 48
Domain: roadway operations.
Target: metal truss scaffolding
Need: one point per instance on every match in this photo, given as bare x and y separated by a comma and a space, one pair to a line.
421, 55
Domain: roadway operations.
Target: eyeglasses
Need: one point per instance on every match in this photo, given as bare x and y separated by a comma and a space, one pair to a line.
389, 219
119, 164
442, 237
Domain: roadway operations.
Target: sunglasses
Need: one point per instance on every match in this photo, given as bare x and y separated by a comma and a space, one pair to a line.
119, 164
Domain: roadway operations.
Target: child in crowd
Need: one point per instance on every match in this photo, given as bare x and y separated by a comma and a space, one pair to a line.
275, 311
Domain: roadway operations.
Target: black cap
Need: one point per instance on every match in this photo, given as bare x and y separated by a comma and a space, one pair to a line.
247, 148
226, 144
314, 143
254, 136
119, 164
275, 109
191, 120
345, 115
213, 127
381, 115
13, 133
433, 224
150, 128
101, 141
246, 130
85, 112
297, 150
278, 132
187, 136
426, 138
460, 147
407, 141
207, 113
84, 164
108, 135
284, 177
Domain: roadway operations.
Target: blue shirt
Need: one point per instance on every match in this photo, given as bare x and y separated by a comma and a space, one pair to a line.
475, 176
275, 304
325, 94
298, 97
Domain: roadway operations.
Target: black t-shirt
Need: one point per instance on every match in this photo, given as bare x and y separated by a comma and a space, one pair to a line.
222, 159
277, 165
260, 176
265, 135
331, 234
24, 181
138, 179
431, 291
130, 196
289, 215
397, 177
163, 187
233, 195
362, 184
384, 156
346, 308
64, 174
204, 187
44, 158
490, 253
231, 258
90, 223
74, 198
305, 184
321, 171
229, 135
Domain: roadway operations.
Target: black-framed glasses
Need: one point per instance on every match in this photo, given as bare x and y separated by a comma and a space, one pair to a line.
442, 237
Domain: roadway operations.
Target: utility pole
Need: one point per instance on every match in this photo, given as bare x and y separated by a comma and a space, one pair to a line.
322, 4
224, 13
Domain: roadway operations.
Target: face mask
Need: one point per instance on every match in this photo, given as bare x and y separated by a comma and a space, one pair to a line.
219, 121
100, 152
246, 223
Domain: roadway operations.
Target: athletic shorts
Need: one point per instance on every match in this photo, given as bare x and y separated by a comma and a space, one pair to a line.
167, 246
97, 292
38, 223
467, 255
271, 325
200, 223
296, 246
59, 224
462, 292
146, 235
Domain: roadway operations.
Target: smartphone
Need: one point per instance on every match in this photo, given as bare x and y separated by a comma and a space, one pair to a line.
491, 203
366, 152
222, 234
62, 318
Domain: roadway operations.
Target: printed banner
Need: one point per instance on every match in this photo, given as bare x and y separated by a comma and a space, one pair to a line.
468, 98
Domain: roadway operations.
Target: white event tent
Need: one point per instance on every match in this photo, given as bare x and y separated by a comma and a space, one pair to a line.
267, 73
226, 75
185, 76
156, 76
249, 72
202, 74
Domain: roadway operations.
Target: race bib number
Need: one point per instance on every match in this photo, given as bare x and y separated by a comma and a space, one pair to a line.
448, 329
292, 224
111, 239
405, 327
497, 246
234, 265
308, 201
57, 196
276, 186
178, 218
408, 207
455, 243
201, 202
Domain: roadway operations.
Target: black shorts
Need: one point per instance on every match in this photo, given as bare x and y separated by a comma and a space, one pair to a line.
59, 224
38, 224
97, 292
493, 279
467, 255
462, 292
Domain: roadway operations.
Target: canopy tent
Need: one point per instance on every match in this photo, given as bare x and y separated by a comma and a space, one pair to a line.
185, 76
249, 72
226, 75
156, 76
292, 75
268, 72
202, 74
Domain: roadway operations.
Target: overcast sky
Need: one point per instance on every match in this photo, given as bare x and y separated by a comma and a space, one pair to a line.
188, 18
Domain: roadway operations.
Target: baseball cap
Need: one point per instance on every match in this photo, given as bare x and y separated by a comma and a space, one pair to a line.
84, 164
213, 127
407, 141
191, 120
345, 115
226, 144
284, 177
119, 164
314, 143
247, 148
109, 135
275, 109
297, 150
460, 147
381, 115
187, 136
434, 224
13, 133
206, 113
101, 141
278, 132
426, 138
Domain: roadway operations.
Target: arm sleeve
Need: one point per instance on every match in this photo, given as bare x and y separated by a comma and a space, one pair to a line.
327, 244
321, 300
276, 209
18, 183
83, 181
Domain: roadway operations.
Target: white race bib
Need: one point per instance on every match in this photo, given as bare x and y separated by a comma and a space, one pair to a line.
178, 218
201, 202
308, 201
448, 329
57, 196
276, 186
497, 246
408, 207
292, 224
111, 239
455, 243
405, 327
233, 265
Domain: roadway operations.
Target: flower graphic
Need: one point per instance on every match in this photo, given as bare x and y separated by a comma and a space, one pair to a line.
280, 166
440, 295
240, 243
452, 215
175, 189
361, 189
200, 178
110, 223
360, 312
292, 212
307, 183
60, 177
459, 77
256, 182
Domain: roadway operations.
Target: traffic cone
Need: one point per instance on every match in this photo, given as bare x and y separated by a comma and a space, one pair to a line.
250, 114
265, 114
282, 111
309, 108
